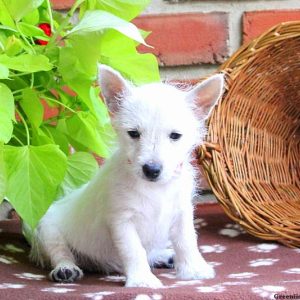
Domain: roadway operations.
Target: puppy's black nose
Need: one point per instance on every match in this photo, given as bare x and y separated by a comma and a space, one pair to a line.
152, 170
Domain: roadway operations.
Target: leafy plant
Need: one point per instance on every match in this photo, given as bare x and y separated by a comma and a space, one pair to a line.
48, 61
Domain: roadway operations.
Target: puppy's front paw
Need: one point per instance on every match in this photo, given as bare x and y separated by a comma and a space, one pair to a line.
147, 281
200, 271
66, 274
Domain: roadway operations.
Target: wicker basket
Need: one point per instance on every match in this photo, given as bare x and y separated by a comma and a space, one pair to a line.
252, 154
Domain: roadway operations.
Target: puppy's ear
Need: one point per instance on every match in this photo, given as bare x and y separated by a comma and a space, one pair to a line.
113, 87
206, 94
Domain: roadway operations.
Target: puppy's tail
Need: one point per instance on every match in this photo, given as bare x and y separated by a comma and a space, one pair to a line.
37, 254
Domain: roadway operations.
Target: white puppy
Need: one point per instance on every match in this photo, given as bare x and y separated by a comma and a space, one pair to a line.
139, 204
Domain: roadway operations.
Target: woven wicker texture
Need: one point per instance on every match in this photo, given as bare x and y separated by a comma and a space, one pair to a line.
252, 154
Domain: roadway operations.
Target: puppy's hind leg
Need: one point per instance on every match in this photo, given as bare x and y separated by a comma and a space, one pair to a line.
55, 248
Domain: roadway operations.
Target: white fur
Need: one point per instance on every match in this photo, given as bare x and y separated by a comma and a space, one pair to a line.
120, 221
5, 209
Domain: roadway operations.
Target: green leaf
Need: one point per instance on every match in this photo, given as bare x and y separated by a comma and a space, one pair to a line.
30, 30
99, 107
52, 53
66, 98
84, 128
62, 127
40, 137
79, 72
81, 167
2, 174
32, 17
119, 52
33, 177
74, 63
114, 43
5, 17
4, 72
32, 107
18, 83
20, 8
68, 62
20, 134
59, 138
26, 62
125, 9
7, 113
3, 27
48, 134
100, 20
13, 46
139, 68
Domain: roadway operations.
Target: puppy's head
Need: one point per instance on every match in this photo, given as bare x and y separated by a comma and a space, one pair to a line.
157, 124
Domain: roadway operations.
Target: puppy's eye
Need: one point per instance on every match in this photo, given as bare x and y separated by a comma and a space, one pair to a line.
134, 134
175, 136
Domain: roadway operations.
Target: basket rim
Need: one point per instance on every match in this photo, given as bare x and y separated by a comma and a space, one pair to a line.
242, 56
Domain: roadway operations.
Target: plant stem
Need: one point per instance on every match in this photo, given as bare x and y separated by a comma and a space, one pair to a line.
18, 140
50, 14
60, 103
32, 80
25, 125
19, 74
25, 39
17, 91
65, 22
49, 133
35, 87
53, 119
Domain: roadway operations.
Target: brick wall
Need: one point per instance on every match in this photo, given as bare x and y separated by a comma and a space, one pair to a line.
192, 38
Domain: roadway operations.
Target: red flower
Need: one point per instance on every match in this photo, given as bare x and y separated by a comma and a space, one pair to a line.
47, 29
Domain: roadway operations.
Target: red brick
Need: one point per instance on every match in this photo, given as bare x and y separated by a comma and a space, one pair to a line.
187, 38
49, 112
256, 22
62, 4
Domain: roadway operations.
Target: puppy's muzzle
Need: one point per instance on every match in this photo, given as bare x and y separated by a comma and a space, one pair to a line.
152, 170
